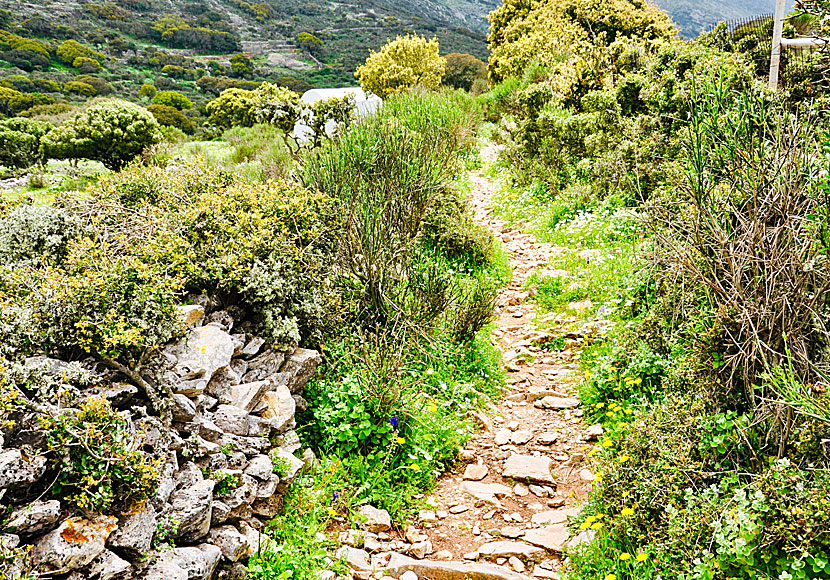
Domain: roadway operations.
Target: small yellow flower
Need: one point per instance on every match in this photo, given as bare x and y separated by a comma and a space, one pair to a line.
609, 414
627, 512
585, 525
432, 407
401, 440
639, 381
607, 443
624, 458
611, 577
591, 519
415, 467
331, 512
625, 556
600, 405
597, 526
641, 557
587, 374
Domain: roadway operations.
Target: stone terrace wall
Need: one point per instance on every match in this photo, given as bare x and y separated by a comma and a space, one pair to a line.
233, 409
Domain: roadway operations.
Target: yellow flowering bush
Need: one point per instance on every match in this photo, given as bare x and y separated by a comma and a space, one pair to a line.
401, 64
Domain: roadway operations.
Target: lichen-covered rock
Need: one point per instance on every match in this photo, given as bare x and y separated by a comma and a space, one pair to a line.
108, 566
36, 517
260, 467
231, 419
74, 544
230, 541
135, 532
207, 350
183, 409
247, 395
15, 469
191, 507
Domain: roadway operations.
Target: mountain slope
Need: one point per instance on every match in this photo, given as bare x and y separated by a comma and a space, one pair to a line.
696, 16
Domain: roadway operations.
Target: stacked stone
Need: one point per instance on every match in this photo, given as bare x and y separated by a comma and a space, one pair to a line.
229, 454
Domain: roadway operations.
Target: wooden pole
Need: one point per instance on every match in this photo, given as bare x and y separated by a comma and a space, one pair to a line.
777, 34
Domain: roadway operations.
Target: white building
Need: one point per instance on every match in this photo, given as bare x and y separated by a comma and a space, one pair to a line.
365, 105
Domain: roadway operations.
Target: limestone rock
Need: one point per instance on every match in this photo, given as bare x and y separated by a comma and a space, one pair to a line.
376, 520
190, 314
15, 469
476, 471
35, 517
593, 431
246, 396
551, 402
191, 507
421, 550
503, 436
230, 541
505, 549
521, 436
291, 463
516, 564
231, 419
207, 350
587, 475
551, 538
485, 491
528, 467
108, 566
260, 467
399, 564
355, 558
585, 537
302, 364
183, 408
74, 544
547, 438
135, 532
281, 407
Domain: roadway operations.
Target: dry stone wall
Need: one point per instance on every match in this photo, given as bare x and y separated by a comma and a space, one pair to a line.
228, 451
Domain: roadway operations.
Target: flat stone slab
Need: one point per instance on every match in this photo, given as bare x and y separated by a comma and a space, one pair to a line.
506, 549
551, 538
476, 471
399, 564
485, 491
550, 402
528, 467
554, 516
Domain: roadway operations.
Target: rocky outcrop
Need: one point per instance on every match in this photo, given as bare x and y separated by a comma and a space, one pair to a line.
224, 441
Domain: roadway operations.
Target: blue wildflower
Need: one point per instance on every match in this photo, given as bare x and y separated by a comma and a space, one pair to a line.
394, 421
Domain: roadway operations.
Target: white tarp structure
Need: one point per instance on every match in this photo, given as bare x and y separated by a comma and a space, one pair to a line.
365, 105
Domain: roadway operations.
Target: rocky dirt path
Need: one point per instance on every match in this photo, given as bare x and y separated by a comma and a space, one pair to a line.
525, 472
504, 514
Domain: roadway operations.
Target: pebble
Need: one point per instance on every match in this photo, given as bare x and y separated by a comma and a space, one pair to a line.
521, 489
476, 471
587, 475
459, 509
516, 564
467, 556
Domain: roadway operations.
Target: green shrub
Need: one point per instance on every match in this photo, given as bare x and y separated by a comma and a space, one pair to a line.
13, 101
69, 50
87, 65
79, 88
112, 132
20, 141
29, 233
116, 472
101, 86
463, 70
171, 117
231, 109
147, 91
172, 99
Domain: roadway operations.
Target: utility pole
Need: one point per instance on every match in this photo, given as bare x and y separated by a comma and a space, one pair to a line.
777, 34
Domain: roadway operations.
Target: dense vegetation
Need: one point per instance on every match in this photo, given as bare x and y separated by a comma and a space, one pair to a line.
666, 158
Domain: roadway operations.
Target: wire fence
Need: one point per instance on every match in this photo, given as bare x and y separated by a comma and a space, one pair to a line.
799, 66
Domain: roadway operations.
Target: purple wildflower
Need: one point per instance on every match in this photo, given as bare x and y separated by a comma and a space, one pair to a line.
394, 421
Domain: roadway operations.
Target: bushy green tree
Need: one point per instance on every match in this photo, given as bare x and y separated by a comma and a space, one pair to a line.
232, 108
172, 99
309, 43
79, 88
112, 132
147, 91
71, 49
463, 70
277, 106
401, 64
13, 102
242, 66
87, 65
20, 141
171, 117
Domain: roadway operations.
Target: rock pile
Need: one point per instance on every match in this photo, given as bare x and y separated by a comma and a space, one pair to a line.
226, 452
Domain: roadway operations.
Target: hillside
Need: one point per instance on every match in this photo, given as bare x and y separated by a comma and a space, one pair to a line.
212, 30
696, 16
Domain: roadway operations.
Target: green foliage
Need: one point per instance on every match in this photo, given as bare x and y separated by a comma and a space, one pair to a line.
463, 70
401, 64
20, 141
242, 66
112, 132
100, 461
309, 43
171, 117
79, 88
172, 99
276, 106
13, 101
31, 233
87, 65
147, 91
70, 50
233, 108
